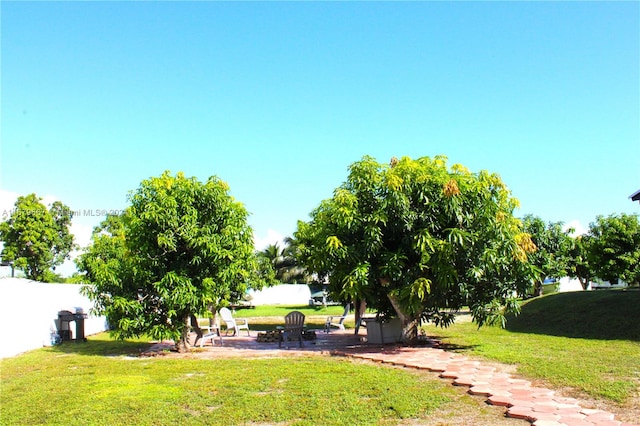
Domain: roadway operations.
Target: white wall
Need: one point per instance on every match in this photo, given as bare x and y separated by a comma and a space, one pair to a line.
29, 311
570, 284
573, 284
283, 294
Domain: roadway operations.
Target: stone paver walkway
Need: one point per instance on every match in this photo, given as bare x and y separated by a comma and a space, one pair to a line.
540, 406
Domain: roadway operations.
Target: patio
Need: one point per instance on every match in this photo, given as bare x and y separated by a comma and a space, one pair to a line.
324, 343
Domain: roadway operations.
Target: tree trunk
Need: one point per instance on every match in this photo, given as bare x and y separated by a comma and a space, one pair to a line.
410, 325
584, 282
196, 327
410, 330
360, 308
183, 344
537, 289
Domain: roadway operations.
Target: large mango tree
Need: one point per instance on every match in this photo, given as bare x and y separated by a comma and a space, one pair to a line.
419, 240
181, 247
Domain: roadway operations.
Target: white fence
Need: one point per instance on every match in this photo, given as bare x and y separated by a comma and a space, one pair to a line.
29, 313
29, 310
283, 294
572, 284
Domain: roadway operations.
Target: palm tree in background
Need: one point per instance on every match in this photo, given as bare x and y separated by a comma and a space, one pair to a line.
284, 262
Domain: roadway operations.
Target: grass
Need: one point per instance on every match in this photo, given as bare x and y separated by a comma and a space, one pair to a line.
100, 383
282, 310
602, 315
588, 341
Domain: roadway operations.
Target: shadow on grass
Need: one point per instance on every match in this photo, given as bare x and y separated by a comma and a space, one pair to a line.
602, 315
452, 347
102, 345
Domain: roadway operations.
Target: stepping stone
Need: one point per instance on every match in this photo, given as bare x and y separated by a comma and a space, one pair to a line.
538, 405
399, 363
599, 417
500, 400
565, 400
544, 407
422, 367
604, 422
573, 416
467, 381
521, 382
523, 413
484, 390
484, 369
574, 422
547, 423
437, 367
499, 391
414, 360
522, 403
502, 377
590, 411
521, 394
546, 417
485, 378
541, 391
545, 400
571, 411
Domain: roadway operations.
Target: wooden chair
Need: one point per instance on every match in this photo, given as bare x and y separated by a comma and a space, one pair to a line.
336, 321
293, 327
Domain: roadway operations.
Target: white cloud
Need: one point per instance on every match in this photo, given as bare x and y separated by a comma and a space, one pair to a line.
577, 227
48, 200
82, 238
7, 203
81, 233
272, 237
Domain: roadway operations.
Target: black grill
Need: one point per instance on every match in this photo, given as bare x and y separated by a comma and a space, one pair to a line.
78, 318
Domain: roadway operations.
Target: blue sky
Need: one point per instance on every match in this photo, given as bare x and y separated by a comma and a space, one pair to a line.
279, 98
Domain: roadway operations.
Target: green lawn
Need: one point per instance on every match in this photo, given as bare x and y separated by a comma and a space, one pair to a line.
589, 341
282, 310
98, 384
262, 318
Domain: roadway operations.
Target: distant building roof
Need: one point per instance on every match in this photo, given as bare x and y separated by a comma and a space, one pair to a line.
635, 196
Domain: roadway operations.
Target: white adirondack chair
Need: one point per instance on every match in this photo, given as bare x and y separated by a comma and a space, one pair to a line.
232, 323
336, 321
210, 329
